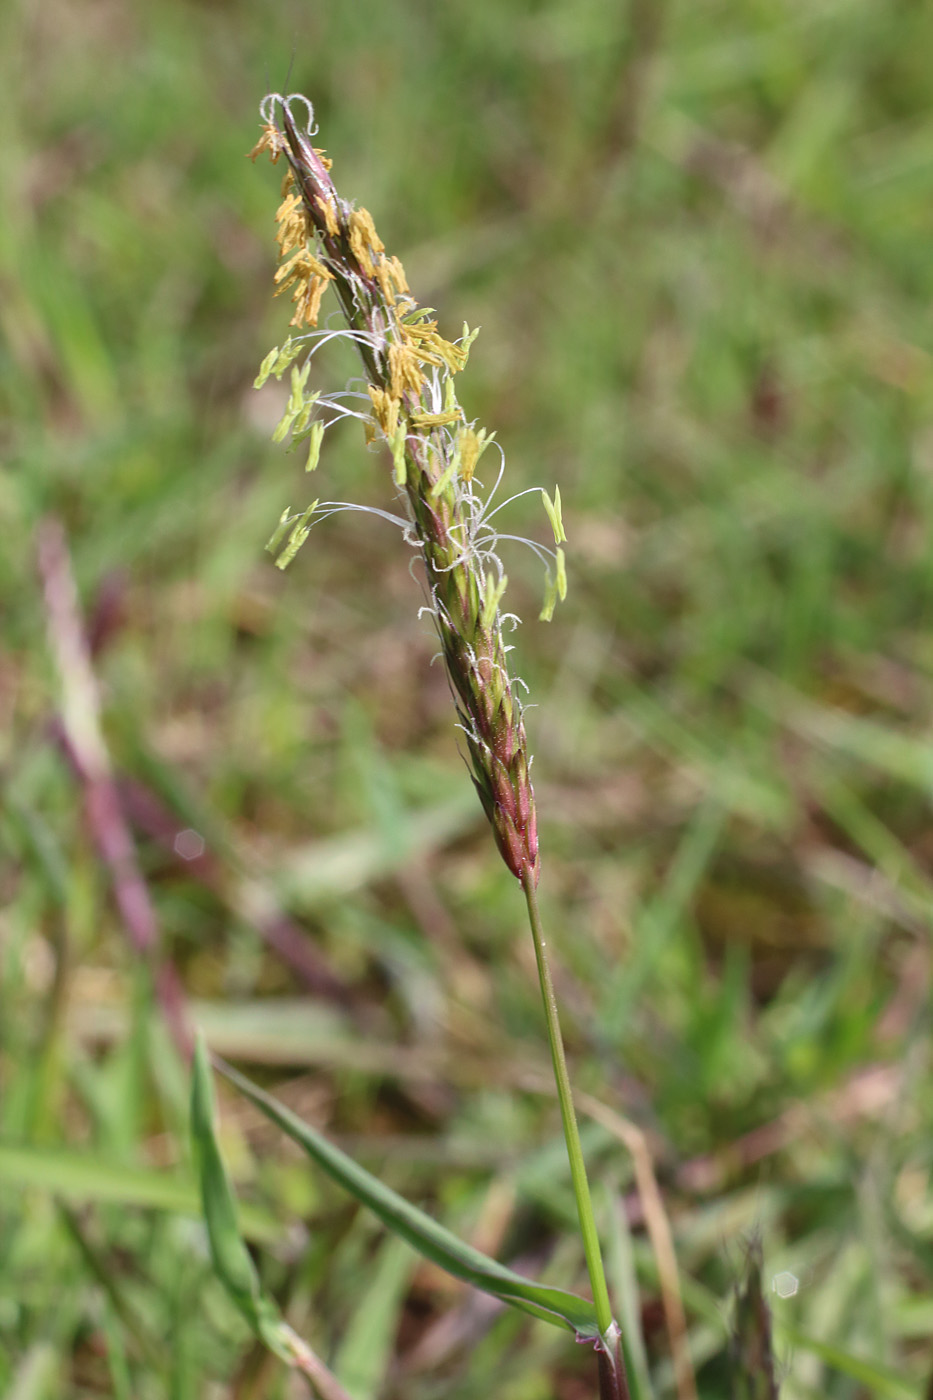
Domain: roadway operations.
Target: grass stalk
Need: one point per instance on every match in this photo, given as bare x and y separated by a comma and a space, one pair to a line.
581, 1185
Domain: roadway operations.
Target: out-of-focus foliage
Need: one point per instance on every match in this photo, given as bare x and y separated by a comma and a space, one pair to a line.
697, 239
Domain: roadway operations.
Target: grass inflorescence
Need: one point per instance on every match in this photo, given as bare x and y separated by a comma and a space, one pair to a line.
324, 240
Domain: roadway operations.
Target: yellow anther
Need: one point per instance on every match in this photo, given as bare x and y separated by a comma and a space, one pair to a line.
398, 275
288, 206
385, 279
329, 213
404, 370
272, 141
385, 409
364, 240
436, 420
308, 301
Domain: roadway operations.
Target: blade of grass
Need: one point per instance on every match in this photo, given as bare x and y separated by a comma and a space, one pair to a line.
83, 1177
430, 1239
233, 1264
367, 1347
879, 1380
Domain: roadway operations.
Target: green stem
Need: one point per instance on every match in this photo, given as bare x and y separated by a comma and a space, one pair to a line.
581, 1187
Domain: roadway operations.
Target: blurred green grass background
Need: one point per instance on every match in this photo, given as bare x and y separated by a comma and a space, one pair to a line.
697, 240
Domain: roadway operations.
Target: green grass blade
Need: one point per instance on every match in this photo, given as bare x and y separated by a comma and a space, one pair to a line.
553, 1305
366, 1351
232, 1262
83, 1177
878, 1380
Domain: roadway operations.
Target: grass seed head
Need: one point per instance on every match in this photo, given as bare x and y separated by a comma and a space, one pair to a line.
325, 241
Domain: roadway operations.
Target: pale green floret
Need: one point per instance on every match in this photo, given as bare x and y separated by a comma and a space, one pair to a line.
297, 537
277, 361
289, 352
315, 438
298, 411
555, 587
265, 369
553, 514
299, 380
302, 424
281, 431
470, 446
494, 592
278, 534
483, 440
466, 341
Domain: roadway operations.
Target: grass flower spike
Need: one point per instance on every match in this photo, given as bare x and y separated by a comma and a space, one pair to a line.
410, 404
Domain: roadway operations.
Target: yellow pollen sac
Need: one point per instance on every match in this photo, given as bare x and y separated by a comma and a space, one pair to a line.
468, 444
329, 214
433, 348
292, 235
384, 278
300, 267
294, 229
398, 272
288, 206
404, 370
308, 301
364, 240
422, 352
272, 141
325, 160
436, 420
385, 409
452, 355
421, 330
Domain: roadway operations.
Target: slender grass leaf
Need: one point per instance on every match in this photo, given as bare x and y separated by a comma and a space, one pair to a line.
432, 1240
879, 1380
82, 1177
232, 1262
368, 1344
